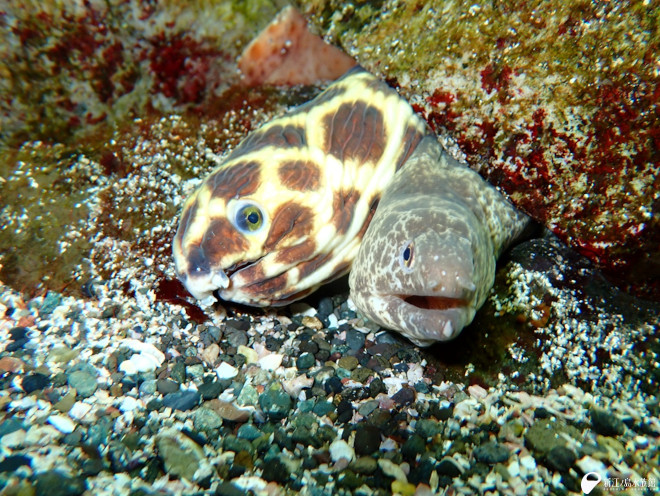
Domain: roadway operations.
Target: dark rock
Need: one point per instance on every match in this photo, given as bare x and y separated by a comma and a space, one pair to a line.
323, 408
367, 439
355, 339
35, 382
305, 361
448, 467
492, 453
178, 372
275, 471
238, 324
235, 337
545, 434
344, 411
413, 447
333, 385
56, 483
249, 432
275, 403
404, 396
309, 347
16, 333
422, 387
606, 423
182, 400
350, 480
428, 428
376, 387
13, 462
541, 413
166, 386
560, 458
210, 390
16, 345
421, 473
365, 465
325, 308
228, 489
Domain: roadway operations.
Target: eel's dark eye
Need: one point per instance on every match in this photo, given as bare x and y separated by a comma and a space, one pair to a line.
247, 217
407, 256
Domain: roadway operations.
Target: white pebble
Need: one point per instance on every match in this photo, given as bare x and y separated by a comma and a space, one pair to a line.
145, 348
514, 469
641, 441
270, 362
62, 423
587, 464
128, 404
340, 449
226, 371
528, 462
333, 322
140, 362
80, 410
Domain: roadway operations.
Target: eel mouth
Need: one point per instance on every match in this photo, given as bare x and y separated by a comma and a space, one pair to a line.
430, 302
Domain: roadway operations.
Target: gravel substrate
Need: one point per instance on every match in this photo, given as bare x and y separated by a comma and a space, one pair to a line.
120, 393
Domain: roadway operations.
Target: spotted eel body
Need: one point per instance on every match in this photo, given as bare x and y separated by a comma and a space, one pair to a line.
427, 260
287, 210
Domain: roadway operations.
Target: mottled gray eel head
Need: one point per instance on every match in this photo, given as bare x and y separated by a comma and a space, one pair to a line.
415, 280
426, 262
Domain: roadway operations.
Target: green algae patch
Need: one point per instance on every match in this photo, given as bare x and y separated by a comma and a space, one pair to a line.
46, 195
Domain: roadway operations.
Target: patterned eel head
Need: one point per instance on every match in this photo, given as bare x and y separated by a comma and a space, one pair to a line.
286, 211
424, 266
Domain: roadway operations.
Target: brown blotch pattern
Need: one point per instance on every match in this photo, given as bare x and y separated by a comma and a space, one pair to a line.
355, 131
240, 179
300, 175
410, 141
301, 251
268, 286
343, 206
310, 266
280, 136
290, 221
188, 215
220, 239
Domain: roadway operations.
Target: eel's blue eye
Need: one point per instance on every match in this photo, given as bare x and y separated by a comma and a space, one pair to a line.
246, 216
407, 256
249, 218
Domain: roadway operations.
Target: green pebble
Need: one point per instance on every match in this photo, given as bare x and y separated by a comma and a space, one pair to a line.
348, 362
361, 374
364, 465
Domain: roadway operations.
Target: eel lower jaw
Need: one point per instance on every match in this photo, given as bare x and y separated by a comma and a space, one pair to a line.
423, 319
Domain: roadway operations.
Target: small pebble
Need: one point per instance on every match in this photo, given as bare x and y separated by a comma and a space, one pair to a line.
606, 423
35, 382
367, 439
226, 371
182, 400
492, 453
62, 423
340, 449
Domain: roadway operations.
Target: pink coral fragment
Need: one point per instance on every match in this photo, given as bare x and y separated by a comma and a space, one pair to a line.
287, 53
